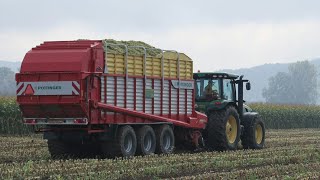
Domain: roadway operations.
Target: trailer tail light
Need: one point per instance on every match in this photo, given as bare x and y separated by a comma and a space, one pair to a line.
30, 121
80, 121
203, 121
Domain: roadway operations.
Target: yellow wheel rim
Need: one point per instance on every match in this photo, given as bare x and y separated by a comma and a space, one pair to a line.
231, 129
259, 134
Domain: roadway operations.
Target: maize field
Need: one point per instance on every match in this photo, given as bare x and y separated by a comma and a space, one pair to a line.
274, 116
288, 116
10, 118
289, 154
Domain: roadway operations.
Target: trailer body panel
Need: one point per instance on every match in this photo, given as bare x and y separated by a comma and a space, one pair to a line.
68, 79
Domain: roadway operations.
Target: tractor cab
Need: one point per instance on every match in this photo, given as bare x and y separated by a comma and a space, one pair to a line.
214, 91
220, 97
214, 87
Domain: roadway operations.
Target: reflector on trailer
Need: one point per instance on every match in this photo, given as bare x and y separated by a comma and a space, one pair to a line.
80, 121
29, 90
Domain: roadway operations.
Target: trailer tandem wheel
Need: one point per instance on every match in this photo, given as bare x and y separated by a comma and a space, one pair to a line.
146, 140
125, 143
59, 149
164, 139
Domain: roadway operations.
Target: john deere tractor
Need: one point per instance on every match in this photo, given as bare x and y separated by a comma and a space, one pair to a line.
220, 97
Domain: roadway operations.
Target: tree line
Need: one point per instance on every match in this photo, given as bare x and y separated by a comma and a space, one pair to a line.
7, 82
297, 86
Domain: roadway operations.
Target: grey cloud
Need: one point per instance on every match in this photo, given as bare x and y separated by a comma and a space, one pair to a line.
146, 15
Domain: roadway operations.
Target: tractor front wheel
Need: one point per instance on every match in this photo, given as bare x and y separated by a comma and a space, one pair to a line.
253, 136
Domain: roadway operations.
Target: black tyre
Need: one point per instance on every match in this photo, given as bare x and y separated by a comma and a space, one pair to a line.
223, 130
146, 141
87, 150
164, 140
59, 149
125, 143
253, 135
108, 149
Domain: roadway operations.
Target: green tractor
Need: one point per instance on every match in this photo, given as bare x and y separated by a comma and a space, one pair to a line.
229, 119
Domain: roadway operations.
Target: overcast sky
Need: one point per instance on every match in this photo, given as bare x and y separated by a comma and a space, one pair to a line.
215, 34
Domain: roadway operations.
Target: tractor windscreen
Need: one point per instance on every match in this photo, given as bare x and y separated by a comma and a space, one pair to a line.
207, 89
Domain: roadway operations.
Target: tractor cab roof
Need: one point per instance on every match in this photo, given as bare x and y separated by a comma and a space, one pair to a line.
215, 75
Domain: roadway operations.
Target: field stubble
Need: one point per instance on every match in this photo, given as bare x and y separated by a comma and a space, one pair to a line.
288, 153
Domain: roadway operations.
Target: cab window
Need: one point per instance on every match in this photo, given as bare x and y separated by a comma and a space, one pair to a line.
227, 90
207, 89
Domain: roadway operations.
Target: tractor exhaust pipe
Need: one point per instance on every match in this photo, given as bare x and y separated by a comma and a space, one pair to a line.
240, 96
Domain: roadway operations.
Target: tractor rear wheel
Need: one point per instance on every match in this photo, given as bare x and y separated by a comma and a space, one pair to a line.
253, 136
164, 139
146, 141
223, 129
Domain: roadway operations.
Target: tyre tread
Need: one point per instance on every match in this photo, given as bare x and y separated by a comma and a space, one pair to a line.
217, 139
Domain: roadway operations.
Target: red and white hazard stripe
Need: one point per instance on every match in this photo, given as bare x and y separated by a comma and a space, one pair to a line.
21, 88
75, 88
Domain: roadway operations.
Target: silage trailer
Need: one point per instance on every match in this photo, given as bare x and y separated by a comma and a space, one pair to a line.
85, 99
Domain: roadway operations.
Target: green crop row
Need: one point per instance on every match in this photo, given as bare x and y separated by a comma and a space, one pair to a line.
10, 118
275, 116
288, 116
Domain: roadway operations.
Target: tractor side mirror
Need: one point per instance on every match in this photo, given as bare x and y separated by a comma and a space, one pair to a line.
248, 86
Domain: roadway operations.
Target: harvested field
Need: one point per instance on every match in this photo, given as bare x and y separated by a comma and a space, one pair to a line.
289, 153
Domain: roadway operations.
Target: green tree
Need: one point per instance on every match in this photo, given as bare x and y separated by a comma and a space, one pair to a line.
298, 86
7, 81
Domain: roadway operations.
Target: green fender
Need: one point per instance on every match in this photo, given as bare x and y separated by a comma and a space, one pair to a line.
216, 105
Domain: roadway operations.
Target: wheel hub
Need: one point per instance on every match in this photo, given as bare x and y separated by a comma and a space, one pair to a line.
148, 142
259, 134
231, 129
128, 143
167, 141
